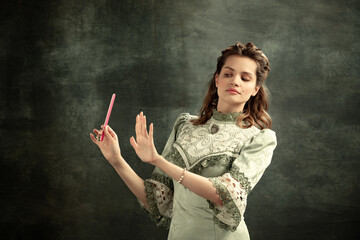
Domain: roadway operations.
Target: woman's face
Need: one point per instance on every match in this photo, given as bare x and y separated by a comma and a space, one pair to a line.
236, 83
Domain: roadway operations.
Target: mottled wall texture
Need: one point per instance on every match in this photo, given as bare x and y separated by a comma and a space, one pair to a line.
61, 60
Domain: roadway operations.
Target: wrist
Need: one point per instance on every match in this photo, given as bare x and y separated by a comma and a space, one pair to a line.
158, 160
117, 162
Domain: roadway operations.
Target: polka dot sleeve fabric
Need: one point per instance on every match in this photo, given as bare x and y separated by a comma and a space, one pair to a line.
234, 186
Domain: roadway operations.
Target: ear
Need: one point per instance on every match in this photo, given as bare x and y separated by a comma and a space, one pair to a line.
257, 88
216, 79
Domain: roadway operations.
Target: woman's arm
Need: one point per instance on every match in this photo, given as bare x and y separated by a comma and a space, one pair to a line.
145, 149
111, 151
195, 183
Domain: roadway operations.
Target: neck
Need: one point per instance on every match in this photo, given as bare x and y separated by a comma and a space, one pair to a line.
229, 109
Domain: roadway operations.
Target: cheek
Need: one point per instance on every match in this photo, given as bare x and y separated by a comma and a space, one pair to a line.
248, 89
221, 83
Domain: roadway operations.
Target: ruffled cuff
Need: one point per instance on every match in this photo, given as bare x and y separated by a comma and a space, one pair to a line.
234, 197
159, 198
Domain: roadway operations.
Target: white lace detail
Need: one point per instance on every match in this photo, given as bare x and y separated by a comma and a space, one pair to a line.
238, 195
195, 143
164, 198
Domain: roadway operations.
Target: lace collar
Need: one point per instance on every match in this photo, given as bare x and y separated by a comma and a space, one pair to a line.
225, 117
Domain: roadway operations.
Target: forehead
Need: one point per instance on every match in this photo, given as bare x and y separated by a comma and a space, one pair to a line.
241, 64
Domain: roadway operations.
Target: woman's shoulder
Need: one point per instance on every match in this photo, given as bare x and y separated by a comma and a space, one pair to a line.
264, 136
184, 117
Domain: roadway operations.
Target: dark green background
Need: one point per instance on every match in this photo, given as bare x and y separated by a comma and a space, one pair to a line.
60, 61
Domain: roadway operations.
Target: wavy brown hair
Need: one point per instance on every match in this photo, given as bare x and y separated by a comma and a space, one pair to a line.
255, 109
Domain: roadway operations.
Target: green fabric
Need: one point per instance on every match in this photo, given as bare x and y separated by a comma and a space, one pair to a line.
243, 160
231, 117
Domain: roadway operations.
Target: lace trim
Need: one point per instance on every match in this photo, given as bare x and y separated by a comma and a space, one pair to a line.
228, 204
240, 177
222, 160
176, 158
163, 179
226, 117
152, 210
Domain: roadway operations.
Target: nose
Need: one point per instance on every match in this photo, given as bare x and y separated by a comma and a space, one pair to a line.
236, 80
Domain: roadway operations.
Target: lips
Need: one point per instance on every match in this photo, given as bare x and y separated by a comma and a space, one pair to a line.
232, 91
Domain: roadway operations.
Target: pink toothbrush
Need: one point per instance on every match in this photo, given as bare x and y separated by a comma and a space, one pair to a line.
108, 115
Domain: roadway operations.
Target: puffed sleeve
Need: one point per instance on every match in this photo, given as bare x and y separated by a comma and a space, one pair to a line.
159, 188
234, 186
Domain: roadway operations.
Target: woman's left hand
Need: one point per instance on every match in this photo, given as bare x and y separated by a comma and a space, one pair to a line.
144, 143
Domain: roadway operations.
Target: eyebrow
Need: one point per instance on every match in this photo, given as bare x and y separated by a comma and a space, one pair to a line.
247, 73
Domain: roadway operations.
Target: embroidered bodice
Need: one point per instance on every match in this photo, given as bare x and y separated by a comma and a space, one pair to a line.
196, 143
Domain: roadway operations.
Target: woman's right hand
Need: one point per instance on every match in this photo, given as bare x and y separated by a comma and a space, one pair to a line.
109, 146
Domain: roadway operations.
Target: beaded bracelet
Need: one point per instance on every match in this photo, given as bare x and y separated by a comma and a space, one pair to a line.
182, 176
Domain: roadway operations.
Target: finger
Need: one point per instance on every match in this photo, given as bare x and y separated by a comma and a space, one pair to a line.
137, 126
142, 123
111, 132
144, 126
97, 136
93, 139
151, 131
107, 134
98, 133
133, 143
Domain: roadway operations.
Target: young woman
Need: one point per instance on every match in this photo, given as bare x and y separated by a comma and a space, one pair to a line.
211, 162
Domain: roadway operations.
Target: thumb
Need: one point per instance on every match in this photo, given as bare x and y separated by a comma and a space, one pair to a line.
134, 143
